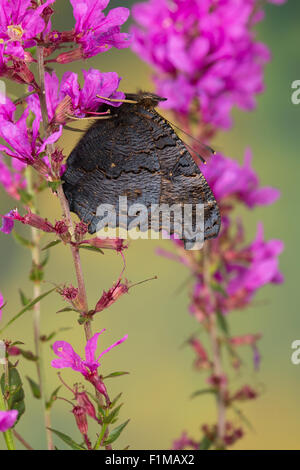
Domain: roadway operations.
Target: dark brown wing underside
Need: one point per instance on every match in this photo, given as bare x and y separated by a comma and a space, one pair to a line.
135, 154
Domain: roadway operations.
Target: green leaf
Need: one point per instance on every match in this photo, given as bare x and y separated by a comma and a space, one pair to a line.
113, 415
115, 433
51, 244
28, 355
91, 248
203, 392
242, 417
27, 307
21, 240
67, 309
46, 259
15, 391
35, 388
115, 374
49, 337
52, 398
222, 322
67, 439
205, 444
113, 403
24, 300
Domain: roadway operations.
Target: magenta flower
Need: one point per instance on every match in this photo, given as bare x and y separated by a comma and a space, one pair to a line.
36, 221
96, 32
263, 267
20, 24
184, 442
208, 48
25, 141
228, 179
7, 419
12, 179
88, 367
96, 83
8, 222
81, 100
68, 357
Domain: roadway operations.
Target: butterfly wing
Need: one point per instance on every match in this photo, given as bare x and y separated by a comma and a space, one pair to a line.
136, 155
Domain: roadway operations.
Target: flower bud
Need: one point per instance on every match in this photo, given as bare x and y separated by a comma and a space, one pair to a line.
81, 420
85, 403
70, 56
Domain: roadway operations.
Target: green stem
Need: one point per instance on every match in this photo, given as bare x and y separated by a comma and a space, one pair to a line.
101, 436
215, 345
35, 255
8, 437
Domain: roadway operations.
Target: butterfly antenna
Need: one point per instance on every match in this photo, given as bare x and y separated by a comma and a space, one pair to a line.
114, 100
207, 147
74, 118
196, 153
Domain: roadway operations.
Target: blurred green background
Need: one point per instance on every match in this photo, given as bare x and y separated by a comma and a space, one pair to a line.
156, 393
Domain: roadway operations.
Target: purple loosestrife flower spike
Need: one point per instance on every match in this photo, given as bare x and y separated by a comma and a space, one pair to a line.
205, 49
7, 419
229, 179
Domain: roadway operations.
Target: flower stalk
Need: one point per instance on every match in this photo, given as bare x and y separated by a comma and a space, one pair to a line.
35, 255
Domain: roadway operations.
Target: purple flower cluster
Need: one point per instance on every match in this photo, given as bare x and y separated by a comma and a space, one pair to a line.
23, 141
20, 25
96, 32
24, 24
229, 180
68, 98
205, 54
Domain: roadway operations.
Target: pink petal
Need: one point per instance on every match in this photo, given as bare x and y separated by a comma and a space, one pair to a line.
91, 347
112, 346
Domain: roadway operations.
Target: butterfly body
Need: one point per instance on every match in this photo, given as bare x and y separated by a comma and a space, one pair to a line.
136, 154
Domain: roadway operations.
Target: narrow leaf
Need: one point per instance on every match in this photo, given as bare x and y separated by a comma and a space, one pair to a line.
67, 439
205, 444
21, 240
115, 374
67, 309
113, 403
27, 307
52, 398
203, 392
222, 322
51, 244
35, 388
46, 259
115, 433
24, 300
113, 415
91, 248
